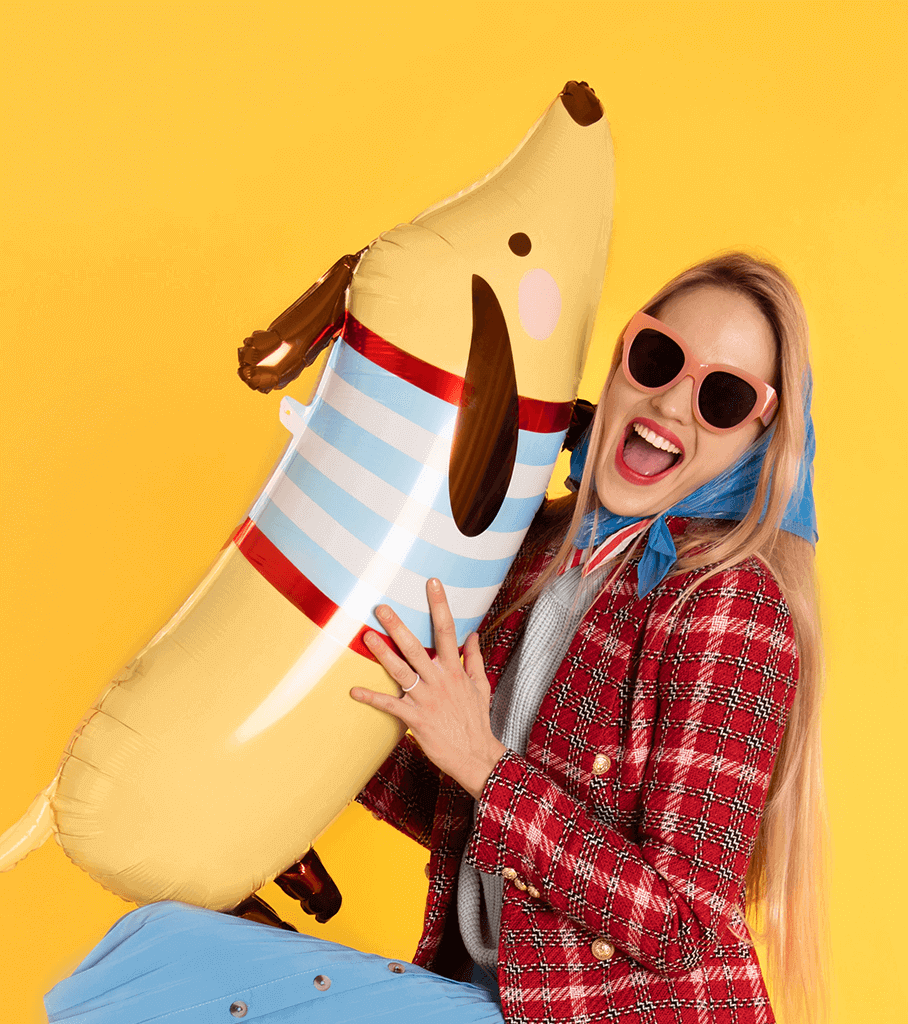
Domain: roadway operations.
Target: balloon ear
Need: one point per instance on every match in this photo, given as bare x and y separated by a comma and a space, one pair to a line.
273, 358
484, 448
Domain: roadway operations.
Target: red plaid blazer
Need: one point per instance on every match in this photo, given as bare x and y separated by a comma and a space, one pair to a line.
626, 829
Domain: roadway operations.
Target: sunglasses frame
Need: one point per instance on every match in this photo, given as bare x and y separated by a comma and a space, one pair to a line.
767, 402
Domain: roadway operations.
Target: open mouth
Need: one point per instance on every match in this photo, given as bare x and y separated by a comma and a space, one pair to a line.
645, 455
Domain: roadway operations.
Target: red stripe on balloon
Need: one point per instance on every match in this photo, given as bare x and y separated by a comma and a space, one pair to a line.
288, 581
446, 386
535, 415
301, 592
544, 417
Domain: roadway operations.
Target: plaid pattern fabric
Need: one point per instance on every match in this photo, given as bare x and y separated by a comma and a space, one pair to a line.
633, 813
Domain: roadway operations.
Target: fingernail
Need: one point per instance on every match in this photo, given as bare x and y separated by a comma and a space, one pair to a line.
356, 693
435, 584
383, 612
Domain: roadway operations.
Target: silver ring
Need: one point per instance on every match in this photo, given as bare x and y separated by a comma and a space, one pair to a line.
407, 689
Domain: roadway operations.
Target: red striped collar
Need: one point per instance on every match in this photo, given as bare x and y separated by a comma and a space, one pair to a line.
536, 416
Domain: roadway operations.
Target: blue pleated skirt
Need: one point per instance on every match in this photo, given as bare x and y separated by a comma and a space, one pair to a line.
174, 962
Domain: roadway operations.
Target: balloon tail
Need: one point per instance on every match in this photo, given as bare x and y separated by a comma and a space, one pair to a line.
32, 830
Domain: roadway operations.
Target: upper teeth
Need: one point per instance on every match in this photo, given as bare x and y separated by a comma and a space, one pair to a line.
655, 440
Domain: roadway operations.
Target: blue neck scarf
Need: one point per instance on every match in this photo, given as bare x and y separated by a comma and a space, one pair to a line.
727, 496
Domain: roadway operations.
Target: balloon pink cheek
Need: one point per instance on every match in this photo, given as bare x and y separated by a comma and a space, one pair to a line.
539, 303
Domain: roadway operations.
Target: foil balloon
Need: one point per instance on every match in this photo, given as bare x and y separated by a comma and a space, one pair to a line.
214, 760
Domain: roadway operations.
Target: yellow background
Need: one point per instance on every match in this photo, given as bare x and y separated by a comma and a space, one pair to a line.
176, 174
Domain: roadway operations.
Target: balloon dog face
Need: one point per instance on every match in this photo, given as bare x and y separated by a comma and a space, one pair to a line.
499, 286
534, 231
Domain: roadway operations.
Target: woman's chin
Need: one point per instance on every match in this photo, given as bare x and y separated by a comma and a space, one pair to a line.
623, 504
617, 507
623, 498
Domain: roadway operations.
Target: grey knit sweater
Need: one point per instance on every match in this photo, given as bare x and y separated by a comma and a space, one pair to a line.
550, 627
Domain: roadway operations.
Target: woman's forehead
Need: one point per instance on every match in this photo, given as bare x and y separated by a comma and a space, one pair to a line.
722, 326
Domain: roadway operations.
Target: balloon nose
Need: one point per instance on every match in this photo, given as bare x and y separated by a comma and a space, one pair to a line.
581, 103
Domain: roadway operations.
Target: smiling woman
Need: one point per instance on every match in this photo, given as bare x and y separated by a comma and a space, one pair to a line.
707, 723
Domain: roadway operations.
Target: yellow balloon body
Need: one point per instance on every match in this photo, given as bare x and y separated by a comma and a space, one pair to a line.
216, 758
160, 799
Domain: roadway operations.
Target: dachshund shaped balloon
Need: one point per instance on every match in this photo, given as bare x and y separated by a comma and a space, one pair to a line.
211, 764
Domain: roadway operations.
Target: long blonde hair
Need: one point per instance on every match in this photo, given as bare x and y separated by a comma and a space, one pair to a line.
786, 877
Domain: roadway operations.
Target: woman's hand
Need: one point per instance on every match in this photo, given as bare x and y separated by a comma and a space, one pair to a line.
447, 710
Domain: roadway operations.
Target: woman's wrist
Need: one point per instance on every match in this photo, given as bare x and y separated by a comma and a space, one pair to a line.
475, 775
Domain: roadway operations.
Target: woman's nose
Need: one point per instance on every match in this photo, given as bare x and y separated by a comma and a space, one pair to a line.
677, 402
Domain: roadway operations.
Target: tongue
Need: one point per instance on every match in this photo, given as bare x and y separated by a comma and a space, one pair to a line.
644, 458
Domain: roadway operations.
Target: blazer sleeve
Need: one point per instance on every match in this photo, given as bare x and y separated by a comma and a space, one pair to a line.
404, 791
725, 671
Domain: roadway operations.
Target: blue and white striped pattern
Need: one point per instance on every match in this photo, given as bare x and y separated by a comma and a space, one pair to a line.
359, 503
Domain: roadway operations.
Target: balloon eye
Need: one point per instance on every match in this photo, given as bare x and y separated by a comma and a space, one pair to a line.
520, 244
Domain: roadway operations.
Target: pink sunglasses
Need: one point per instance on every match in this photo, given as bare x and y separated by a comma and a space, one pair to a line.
724, 397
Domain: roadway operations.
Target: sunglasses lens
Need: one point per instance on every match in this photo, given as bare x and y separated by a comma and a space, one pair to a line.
726, 400
654, 359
